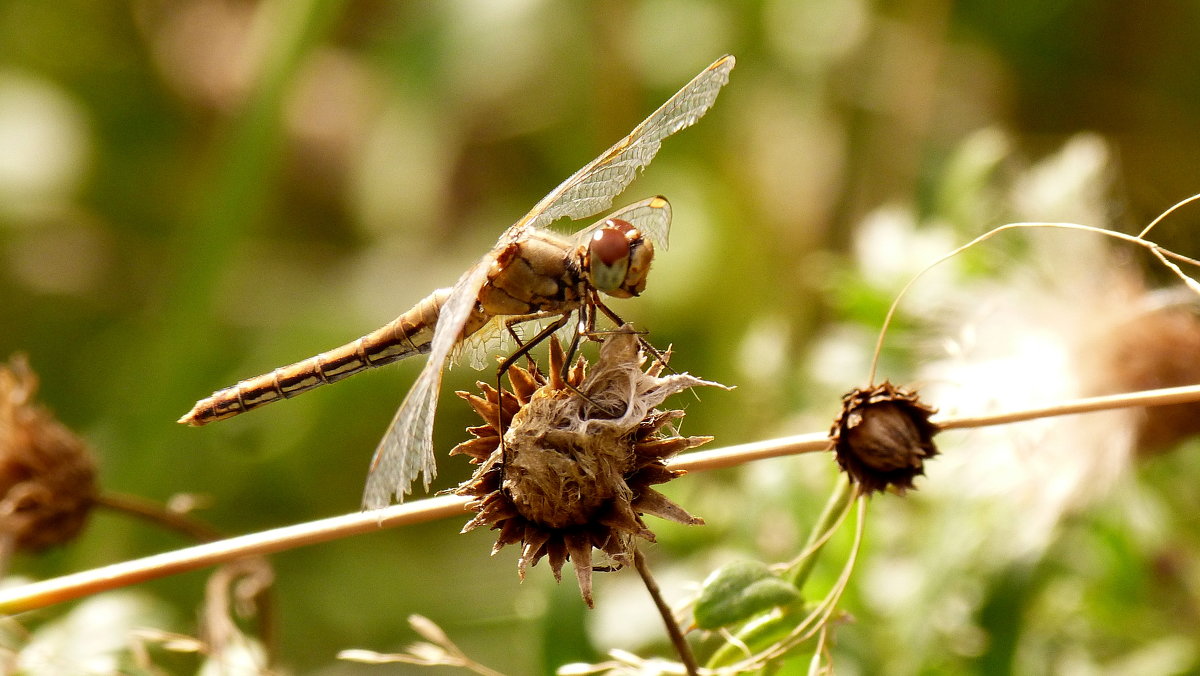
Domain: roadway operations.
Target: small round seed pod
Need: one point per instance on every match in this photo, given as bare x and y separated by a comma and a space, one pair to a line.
883, 436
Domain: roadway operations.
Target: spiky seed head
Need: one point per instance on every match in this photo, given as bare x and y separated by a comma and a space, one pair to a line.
579, 458
47, 474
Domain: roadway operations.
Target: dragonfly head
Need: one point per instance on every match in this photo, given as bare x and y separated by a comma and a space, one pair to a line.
618, 259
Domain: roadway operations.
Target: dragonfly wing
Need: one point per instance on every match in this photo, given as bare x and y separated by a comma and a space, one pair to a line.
478, 349
592, 189
652, 217
406, 449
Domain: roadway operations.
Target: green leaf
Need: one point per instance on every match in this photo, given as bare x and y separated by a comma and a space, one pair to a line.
739, 591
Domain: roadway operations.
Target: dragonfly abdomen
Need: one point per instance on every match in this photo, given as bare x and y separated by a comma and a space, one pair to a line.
405, 336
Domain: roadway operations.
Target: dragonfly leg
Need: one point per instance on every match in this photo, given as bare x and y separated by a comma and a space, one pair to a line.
614, 318
542, 335
587, 321
521, 351
512, 332
524, 348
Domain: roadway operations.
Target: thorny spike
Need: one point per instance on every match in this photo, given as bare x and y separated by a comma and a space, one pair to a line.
652, 475
510, 405
556, 550
483, 431
556, 364
620, 516
491, 510
578, 372
523, 383
486, 410
479, 448
579, 548
655, 422
656, 504
659, 364
490, 480
535, 540
474, 523
510, 532
665, 448
489, 392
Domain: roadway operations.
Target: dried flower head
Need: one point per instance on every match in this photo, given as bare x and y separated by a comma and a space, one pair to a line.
47, 475
1153, 348
579, 457
883, 437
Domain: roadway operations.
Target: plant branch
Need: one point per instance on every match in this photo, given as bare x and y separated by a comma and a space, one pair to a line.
1155, 249
677, 638
76, 585
1162, 397
159, 515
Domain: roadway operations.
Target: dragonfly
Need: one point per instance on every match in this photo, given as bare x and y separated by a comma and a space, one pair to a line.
533, 273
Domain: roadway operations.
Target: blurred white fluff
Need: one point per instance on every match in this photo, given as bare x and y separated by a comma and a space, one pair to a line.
1024, 340
1025, 337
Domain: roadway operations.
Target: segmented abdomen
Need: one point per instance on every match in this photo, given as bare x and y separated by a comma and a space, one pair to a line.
404, 336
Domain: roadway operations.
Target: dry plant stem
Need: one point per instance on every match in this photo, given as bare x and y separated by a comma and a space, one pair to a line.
677, 639
76, 585
1162, 397
732, 456
158, 515
1159, 252
1178, 205
68, 587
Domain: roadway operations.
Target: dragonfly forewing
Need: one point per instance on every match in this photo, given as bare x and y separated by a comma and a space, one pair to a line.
406, 450
593, 188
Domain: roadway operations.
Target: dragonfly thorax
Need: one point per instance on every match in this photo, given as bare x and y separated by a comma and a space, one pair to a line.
618, 259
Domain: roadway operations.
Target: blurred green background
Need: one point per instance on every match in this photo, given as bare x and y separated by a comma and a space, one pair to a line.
197, 191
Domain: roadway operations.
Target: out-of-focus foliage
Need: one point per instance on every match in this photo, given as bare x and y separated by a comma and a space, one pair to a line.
195, 192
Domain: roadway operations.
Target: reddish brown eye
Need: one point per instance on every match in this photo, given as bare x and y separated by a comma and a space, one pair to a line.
608, 255
625, 227
609, 244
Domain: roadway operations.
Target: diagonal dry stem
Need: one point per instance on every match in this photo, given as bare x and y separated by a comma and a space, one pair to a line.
77, 585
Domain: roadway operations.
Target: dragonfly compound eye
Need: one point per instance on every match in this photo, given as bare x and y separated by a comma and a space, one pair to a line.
608, 257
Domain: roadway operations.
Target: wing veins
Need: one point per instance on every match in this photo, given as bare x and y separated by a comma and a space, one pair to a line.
591, 190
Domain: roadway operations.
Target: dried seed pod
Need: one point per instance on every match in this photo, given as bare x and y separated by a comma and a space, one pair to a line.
883, 436
1153, 349
579, 458
47, 474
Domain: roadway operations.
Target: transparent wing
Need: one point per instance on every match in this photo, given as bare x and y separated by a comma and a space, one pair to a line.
406, 449
478, 349
652, 217
592, 189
